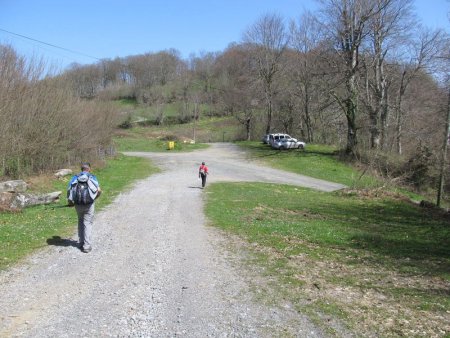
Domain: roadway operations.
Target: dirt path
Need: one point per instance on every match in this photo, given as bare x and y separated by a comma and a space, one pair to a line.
156, 270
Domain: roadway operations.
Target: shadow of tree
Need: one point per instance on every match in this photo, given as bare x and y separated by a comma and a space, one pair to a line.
259, 151
413, 237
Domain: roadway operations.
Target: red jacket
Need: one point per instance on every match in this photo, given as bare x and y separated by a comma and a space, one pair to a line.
204, 168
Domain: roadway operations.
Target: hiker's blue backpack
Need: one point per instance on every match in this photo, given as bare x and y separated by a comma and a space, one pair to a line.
82, 190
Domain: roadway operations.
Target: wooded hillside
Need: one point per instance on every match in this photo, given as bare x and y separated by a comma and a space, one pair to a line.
361, 75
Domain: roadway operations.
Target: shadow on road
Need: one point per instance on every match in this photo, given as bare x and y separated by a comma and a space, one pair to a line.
58, 241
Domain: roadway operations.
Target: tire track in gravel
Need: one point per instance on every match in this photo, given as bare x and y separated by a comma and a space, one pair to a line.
156, 270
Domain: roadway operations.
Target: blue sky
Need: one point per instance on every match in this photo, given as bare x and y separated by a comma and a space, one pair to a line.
109, 29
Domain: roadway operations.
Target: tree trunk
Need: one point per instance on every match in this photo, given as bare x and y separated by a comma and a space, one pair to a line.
384, 121
351, 108
374, 130
378, 118
444, 154
402, 89
309, 131
399, 131
351, 126
248, 127
269, 111
374, 114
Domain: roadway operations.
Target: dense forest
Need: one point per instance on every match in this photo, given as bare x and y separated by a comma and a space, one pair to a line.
361, 75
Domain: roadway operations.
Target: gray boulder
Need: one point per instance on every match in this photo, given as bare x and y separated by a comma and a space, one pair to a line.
13, 186
63, 172
21, 201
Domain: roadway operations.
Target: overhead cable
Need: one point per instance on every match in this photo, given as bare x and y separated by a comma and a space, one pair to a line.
51, 45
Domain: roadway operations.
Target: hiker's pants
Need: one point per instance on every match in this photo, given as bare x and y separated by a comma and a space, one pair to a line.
85, 219
203, 180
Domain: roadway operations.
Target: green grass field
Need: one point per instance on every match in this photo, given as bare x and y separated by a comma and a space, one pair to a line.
369, 257
318, 161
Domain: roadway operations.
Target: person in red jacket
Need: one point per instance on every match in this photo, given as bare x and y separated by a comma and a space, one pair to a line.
202, 173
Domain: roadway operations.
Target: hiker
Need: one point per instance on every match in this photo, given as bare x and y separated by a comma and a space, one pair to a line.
82, 191
202, 172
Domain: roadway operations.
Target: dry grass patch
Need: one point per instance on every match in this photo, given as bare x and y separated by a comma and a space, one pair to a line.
370, 300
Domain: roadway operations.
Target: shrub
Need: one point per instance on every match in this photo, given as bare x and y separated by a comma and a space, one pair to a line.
419, 168
127, 123
44, 126
169, 138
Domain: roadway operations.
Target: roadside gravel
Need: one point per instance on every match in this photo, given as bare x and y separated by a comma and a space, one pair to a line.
156, 269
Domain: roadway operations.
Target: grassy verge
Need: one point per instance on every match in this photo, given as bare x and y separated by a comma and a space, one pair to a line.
372, 265
35, 227
318, 161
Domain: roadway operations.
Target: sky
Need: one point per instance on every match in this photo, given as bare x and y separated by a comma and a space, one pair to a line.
88, 30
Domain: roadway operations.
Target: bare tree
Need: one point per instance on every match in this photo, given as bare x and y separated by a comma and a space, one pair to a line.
445, 143
347, 22
387, 29
425, 48
285, 103
303, 68
268, 40
238, 93
164, 66
444, 68
114, 72
86, 80
203, 71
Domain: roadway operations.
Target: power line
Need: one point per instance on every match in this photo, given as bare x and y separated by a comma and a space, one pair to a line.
51, 45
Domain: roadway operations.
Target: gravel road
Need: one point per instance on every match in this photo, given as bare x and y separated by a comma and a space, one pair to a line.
156, 269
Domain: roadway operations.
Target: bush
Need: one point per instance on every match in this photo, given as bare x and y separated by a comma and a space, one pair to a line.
127, 123
384, 164
419, 168
169, 138
44, 126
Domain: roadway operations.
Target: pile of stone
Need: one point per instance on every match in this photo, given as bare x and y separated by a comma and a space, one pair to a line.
13, 195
